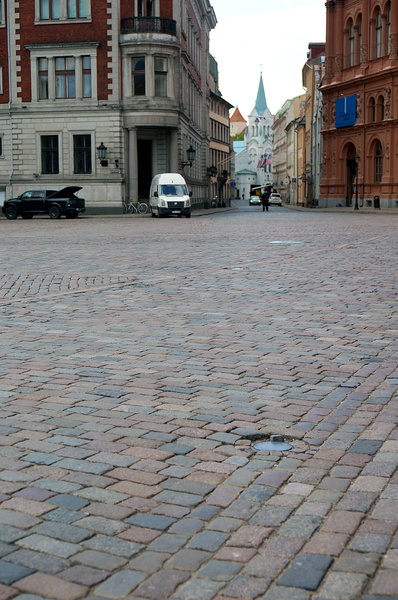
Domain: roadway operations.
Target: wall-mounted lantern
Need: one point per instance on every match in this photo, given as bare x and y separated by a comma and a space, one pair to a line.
191, 153
101, 153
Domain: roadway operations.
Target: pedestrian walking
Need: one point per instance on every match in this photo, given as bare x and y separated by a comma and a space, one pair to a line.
265, 200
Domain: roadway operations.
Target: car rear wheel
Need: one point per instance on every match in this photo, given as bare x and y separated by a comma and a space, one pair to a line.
11, 213
54, 212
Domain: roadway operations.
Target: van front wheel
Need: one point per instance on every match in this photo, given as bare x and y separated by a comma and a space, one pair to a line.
188, 216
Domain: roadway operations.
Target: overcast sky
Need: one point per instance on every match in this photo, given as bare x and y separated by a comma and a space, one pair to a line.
268, 36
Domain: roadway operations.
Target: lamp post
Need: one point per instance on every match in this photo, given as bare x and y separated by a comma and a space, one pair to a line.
357, 159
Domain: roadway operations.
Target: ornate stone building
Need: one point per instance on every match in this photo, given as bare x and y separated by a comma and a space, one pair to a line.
127, 75
360, 104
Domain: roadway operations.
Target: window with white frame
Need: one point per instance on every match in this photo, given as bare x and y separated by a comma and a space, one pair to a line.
145, 8
78, 9
160, 76
65, 77
62, 10
64, 73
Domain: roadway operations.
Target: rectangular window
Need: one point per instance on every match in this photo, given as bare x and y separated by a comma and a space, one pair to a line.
49, 154
78, 9
82, 154
50, 9
43, 78
160, 76
145, 8
87, 88
1, 146
138, 76
65, 77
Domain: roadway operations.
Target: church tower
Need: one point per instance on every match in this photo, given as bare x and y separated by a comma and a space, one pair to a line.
257, 157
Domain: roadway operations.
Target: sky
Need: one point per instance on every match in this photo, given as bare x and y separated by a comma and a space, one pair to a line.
264, 36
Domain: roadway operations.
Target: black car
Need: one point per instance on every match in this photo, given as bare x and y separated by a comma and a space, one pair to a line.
41, 202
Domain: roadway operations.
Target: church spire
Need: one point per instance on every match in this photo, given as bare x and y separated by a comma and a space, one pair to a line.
261, 102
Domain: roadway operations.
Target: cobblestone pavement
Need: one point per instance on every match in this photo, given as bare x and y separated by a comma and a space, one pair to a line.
141, 362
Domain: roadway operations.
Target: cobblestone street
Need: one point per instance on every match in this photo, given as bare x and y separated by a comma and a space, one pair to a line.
141, 362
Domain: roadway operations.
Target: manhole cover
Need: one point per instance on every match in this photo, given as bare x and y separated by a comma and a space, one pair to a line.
278, 446
285, 242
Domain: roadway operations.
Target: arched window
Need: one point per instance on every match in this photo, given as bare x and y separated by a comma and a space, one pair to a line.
358, 41
378, 162
351, 44
388, 28
372, 110
379, 30
380, 108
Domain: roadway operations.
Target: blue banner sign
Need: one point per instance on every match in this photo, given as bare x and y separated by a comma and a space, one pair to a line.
346, 111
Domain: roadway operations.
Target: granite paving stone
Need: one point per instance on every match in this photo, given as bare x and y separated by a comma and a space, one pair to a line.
52, 586
10, 573
120, 584
220, 570
196, 589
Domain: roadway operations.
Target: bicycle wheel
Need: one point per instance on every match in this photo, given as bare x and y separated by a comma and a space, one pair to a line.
130, 208
142, 207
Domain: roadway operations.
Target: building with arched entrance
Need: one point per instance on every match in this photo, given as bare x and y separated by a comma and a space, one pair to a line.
360, 109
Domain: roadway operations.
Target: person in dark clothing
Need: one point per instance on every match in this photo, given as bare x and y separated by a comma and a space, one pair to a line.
265, 199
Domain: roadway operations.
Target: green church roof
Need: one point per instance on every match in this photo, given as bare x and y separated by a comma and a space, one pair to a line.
261, 102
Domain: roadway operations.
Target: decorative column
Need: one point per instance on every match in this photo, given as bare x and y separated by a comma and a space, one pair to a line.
174, 151
339, 40
133, 166
365, 35
330, 29
394, 31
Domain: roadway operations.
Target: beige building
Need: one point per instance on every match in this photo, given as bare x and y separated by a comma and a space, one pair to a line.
285, 149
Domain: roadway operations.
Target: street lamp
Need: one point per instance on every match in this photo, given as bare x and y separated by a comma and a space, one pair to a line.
357, 159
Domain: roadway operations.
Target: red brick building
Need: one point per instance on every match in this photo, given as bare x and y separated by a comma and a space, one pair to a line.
131, 75
360, 110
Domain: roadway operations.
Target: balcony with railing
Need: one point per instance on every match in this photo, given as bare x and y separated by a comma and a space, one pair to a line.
148, 25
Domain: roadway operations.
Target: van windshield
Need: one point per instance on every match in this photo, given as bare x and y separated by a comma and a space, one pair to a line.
173, 190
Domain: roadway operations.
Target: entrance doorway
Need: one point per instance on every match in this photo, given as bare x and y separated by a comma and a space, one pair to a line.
144, 149
351, 172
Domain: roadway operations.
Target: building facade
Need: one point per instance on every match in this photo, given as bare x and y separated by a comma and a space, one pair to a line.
360, 109
221, 163
309, 177
128, 77
285, 170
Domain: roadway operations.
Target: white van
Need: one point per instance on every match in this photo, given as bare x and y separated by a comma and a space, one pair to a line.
169, 196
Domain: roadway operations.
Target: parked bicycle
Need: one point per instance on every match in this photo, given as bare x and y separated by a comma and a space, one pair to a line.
136, 207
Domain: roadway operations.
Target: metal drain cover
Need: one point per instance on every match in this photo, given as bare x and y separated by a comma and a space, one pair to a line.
285, 242
278, 446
